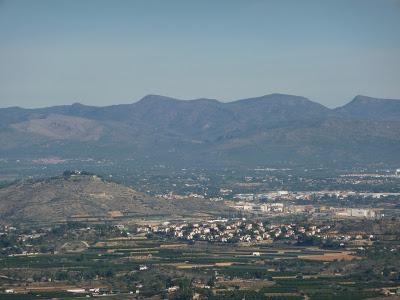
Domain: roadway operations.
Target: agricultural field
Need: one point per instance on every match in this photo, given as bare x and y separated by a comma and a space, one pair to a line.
106, 261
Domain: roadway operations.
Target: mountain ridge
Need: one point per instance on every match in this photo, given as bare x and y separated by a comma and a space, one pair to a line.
149, 96
274, 128
371, 108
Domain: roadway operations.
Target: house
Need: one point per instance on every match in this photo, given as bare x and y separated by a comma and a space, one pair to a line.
142, 267
172, 289
77, 291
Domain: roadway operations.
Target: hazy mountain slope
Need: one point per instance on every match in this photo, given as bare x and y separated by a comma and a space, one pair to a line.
276, 128
363, 107
57, 199
330, 141
62, 127
277, 108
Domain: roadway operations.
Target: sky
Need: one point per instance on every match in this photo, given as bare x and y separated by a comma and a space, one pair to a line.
96, 52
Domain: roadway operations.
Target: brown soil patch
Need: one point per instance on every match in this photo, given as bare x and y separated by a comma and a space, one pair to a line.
345, 255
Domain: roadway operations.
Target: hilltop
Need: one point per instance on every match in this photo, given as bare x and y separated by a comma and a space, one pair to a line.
68, 197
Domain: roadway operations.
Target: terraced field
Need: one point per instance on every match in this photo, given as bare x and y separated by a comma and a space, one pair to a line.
275, 272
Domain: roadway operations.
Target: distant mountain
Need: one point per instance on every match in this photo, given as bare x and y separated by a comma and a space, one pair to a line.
273, 129
61, 127
363, 107
71, 197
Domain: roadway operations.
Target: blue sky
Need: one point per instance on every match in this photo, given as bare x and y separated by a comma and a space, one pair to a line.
108, 52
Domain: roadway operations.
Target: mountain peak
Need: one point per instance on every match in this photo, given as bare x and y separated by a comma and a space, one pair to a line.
77, 104
276, 97
282, 95
360, 99
283, 102
152, 98
364, 107
368, 99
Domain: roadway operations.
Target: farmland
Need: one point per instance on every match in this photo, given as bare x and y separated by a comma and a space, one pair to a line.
105, 260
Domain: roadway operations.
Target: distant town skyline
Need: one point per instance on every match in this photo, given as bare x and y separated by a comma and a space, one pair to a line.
111, 52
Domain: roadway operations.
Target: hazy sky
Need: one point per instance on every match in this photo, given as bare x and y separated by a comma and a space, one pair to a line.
108, 52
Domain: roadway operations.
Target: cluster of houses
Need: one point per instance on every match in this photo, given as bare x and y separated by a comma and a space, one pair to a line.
279, 207
308, 195
231, 231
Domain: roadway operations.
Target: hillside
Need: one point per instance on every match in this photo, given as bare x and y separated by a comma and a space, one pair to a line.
273, 129
65, 197
363, 107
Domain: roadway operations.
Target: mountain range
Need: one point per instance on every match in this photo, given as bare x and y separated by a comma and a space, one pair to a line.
274, 129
